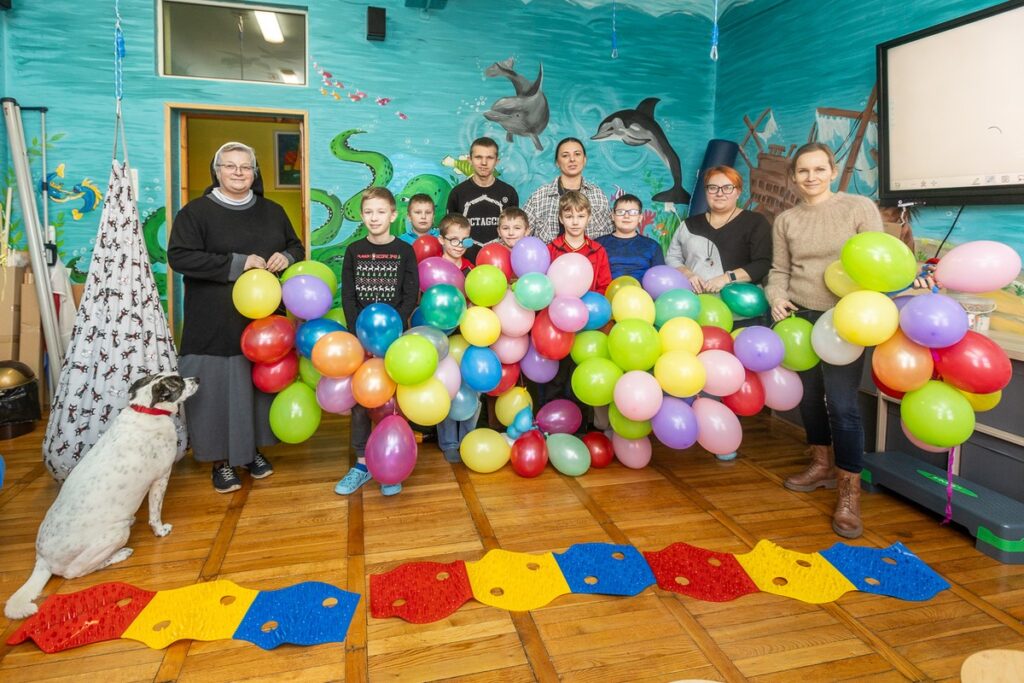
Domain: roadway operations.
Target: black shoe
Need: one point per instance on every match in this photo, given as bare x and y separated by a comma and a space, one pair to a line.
224, 479
260, 467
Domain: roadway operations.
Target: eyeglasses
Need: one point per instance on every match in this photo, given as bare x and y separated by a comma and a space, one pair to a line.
459, 241
627, 212
235, 168
723, 189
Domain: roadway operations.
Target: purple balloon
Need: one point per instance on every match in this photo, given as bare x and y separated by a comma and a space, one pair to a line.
334, 394
560, 416
530, 255
675, 425
758, 348
536, 367
391, 450
902, 301
934, 320
306, 297
660, 279
439, 271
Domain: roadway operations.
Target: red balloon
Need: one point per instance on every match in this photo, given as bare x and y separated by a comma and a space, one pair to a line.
529, 454
426, 246
600, 447
509, 377
749, 399
975, 364
271, 378
268, 339
716, 338
550, 342
380, 412
497, 255
888, 391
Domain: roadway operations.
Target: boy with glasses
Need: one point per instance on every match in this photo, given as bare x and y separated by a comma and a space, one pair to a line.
629, 252
454, 240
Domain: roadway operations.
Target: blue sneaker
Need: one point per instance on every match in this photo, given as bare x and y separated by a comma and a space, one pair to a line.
351, 482
390, 489
726, 457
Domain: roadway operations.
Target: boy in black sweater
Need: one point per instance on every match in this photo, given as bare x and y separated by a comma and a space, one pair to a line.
377, 268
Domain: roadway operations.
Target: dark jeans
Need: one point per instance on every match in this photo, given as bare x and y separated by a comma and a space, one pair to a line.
359, 430
829, 408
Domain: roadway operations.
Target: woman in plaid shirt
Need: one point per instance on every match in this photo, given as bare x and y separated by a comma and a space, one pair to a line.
542, 207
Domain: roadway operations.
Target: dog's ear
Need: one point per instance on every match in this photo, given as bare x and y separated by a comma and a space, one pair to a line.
167, 390
139, 383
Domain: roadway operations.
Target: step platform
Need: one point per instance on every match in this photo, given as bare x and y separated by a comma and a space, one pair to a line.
995, 521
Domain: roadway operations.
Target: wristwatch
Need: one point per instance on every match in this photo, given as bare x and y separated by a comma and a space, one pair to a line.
732, 276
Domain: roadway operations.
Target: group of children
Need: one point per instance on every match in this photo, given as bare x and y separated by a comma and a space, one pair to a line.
382, 267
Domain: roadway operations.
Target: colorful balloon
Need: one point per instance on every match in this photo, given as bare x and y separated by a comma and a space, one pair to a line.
934, 321
675, 425
568, 314
372, 387
317, 269
571, 275
391, 450
307, 296
465, 403
879, 261
938, 414
975, 364
749, 399
568, 454
426, 403
529, 454
744, 299
716, 338
511, 349
618, 284
599, 310
480, 326
256, 293
633, 303
537, 368
337, 354
589, 344
560, 416
633, 453
600, 447
624, 427
593, 381
272, 377
782, 388
294, 414
550, 341
530, 255
509, 377
309, 333
979, 266
759, 348
436, 337
377, 327
724, 373
839, 281
334, 394
307, 373
634, 345
268, 340
516, 320
486, 285
680, 374
676, 303
918, 443
828, 345
534, 291
982, 402
481, 369
442, 306
484, 451
714, 312
795, 334
411, 359
637, 395
660, 279
437, 270
866, 318
901, 364
427, 246
457, 346
497, 255
718, 428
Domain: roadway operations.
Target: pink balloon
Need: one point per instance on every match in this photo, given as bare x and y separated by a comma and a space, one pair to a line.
334, 394
515, 320
725, 373
979, 266
571, 274
921, 444
391, 450
633, 453
638, 395
718, 428
438, 271
568, 314
449, 374
782, 388
511, 349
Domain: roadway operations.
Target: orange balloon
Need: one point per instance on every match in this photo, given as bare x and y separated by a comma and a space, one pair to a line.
901, 364
372, 386
337, 354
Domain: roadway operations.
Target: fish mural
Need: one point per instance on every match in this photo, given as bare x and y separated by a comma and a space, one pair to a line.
637, 128
526, 113
86, 190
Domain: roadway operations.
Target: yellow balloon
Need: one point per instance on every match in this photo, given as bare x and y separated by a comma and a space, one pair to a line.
510, 403
484, 450
633, 303
480, 326
257, 293
982, 402
680, 374
426, 403
866, 318
681, 334
457, 345
618, 283
838, 280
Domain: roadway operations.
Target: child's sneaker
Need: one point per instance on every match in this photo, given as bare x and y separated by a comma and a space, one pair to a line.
224, 479
390, 489
351, 482
726, 457
260, 467
452, 455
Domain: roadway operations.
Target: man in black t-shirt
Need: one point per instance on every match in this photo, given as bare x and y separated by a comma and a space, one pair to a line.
482, 197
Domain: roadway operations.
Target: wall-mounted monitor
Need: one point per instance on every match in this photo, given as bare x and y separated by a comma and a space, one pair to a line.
951, 111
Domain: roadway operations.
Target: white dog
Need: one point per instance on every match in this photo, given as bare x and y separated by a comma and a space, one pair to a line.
88, 525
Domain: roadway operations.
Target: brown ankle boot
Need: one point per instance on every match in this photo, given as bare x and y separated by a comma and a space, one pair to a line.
846, 518
821, 472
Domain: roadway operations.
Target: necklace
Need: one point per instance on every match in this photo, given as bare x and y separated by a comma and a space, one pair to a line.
711, 245
725, 222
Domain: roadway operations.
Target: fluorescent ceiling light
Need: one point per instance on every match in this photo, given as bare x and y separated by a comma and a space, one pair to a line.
289, 76
269, 27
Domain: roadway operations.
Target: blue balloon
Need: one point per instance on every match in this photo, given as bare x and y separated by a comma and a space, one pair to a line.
377, 327
465, 404
310, 332
513, 433
523, 421
481, 369
599, 310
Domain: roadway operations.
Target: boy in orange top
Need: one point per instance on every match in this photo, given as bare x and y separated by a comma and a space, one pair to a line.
574, 212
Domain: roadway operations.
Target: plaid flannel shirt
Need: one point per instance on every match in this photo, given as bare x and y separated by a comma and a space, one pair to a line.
542, 210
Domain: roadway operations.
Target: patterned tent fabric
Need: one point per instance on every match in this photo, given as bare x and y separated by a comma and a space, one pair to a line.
120, 334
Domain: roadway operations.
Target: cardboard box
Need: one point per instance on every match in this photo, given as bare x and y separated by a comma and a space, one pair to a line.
10, 311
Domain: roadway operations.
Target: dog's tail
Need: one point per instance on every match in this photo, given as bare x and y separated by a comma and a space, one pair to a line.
20, 604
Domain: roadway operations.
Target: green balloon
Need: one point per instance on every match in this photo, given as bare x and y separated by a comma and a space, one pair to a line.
676, 303
714, 312
317, 269
634, 345
879, 261
307, 373
295, 414
411, 359
568, 454
534, 291
938, 414
443, 306
626, 428
744, 299
593, 381
486, 285
798, 353
337, 315
589, 344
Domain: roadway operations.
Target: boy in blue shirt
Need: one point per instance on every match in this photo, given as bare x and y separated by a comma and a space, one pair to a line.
421, 218
629, 252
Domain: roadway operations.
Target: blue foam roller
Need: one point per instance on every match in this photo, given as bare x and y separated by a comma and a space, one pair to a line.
892, 571
308, 613
595, 568
718, 153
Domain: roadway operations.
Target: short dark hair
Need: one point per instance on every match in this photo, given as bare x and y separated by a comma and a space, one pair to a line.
484, 142
453, 220
513, 212
632, 198
421, 199
565, 141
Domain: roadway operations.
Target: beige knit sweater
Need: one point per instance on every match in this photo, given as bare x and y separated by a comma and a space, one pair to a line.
807, 238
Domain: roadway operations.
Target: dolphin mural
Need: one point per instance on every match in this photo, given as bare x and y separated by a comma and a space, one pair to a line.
526, 113
637, 128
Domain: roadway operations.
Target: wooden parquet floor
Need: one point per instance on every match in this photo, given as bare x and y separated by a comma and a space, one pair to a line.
291, 527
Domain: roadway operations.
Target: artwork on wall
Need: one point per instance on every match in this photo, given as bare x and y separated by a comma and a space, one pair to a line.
526, 113
287, 160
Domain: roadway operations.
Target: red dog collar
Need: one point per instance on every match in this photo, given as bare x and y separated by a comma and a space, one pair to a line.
149, 411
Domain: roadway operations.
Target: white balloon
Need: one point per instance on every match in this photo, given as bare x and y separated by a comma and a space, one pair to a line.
829, 346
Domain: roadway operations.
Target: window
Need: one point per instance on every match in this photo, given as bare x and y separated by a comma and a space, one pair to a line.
232, 42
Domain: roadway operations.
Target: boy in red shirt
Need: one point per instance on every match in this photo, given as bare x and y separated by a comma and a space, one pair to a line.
454, 237
574, 212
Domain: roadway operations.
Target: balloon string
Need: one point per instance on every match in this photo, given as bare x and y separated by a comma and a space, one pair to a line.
949, 487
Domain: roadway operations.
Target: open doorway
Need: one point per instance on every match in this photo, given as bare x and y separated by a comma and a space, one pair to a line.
195, 132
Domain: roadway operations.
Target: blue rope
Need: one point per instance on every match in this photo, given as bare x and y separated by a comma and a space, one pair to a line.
615, 35
118, 53
714, 36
